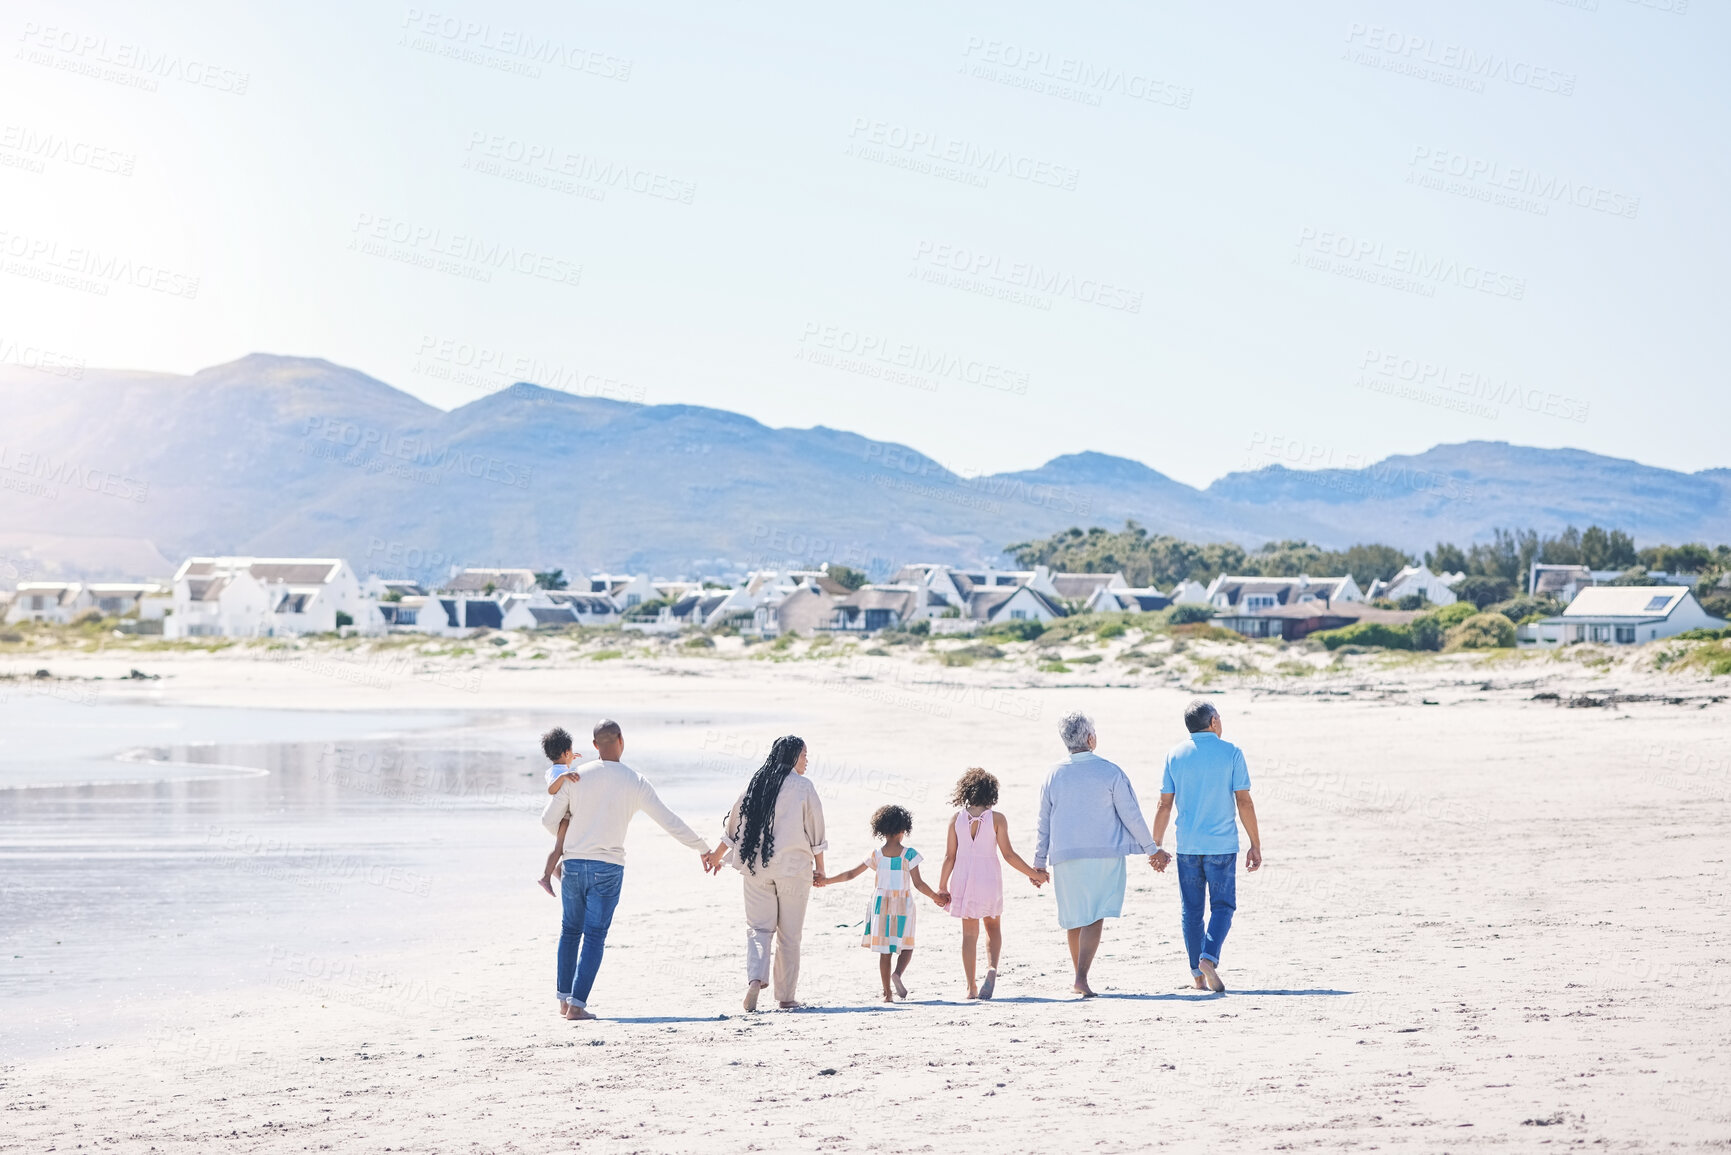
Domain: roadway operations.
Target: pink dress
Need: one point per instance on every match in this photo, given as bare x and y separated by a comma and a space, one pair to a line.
977, 880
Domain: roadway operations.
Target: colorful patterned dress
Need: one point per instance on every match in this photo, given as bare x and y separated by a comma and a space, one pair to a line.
890, 927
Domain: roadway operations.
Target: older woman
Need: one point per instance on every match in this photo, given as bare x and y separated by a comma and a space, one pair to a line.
774, 836
1089, 821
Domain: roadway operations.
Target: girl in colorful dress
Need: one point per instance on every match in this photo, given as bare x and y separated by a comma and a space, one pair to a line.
972, 879
890, 924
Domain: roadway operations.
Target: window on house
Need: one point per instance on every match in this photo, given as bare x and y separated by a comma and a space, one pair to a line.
1006, 580
1259, 602
878, 619
633, 600
1601, 633
1626, 634
1018, 615
1659, 603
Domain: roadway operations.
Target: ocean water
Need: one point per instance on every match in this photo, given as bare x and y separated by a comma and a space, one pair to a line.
153, 853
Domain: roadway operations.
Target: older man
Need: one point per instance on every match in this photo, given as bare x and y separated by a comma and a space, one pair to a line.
1207, 777
1089, 821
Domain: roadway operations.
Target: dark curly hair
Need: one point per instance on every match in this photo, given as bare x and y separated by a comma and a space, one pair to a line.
976, 788
757, 839
888, 820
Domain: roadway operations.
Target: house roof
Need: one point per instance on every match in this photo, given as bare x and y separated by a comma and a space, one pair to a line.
803, 610
553, 615
1626, 601
1284, 589
293, 603
305, 571
879, 598
483, 613
477, 580
206, 589
1080, 585
583, 603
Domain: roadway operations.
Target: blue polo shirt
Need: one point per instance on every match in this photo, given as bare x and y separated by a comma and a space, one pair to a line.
1203, 771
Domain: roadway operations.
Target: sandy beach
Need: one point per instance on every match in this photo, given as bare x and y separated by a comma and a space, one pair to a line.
1486, 920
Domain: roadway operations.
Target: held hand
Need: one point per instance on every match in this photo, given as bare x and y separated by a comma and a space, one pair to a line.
942, 898
1039, 878
1253, 859
1159, 860
818, 879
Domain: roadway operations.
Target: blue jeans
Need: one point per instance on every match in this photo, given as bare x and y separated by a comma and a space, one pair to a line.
1218, 874
590, 891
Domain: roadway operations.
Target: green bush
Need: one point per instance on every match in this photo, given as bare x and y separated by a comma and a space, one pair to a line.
1702, 634
1023, 630
1484, 591
1188, 613
344, 618
1523, 609
700, 642
1481, 632
1111, 630
1367, 634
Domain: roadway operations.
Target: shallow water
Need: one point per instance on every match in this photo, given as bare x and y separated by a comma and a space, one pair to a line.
149, 852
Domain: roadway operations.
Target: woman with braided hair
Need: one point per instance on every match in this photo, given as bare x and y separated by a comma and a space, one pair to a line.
774, 837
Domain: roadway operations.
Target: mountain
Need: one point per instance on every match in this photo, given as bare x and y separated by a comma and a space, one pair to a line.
291, 455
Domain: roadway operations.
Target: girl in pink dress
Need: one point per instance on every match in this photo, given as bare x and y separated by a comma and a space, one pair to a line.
972, 884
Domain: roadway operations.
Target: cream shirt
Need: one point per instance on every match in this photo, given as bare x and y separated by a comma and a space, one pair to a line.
798, 827
601, 806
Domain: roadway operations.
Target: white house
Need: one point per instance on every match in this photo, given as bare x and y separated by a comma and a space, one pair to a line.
57, 602
1108, 599
625, 590
267, 597
1189, 592
1621, 615
1250, 594
1417, 579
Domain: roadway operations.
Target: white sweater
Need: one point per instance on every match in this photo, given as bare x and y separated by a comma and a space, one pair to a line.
601, 805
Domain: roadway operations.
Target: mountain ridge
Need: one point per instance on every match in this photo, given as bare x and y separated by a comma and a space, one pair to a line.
278, 454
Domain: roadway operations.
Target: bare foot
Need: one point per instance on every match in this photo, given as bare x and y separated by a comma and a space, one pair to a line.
1200, 984
889, 998
991, 983
1081, 987
547, 885
973, 994
576, 1013
563, 1007
1211, 976
901, 987
792, 1005
751, 989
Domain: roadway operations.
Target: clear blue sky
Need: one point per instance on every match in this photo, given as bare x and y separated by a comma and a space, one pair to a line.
1176, 232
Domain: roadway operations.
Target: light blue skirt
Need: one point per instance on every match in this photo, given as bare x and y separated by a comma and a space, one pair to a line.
1088, 890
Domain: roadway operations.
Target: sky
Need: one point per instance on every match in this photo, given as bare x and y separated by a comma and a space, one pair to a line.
1206, 237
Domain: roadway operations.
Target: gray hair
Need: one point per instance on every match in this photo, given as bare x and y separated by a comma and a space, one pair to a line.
1075, 730
1198, 715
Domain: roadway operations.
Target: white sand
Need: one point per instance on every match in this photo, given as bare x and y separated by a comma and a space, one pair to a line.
1489, 922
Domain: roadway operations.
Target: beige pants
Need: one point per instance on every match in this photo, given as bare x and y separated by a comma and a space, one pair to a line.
775, 907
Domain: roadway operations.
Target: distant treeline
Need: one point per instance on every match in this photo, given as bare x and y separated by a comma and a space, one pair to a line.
1157, 559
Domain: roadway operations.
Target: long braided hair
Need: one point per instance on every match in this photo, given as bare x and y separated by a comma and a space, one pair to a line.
757, 839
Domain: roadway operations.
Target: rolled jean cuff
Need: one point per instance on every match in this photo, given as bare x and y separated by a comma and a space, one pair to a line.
1194, 973
1210, 958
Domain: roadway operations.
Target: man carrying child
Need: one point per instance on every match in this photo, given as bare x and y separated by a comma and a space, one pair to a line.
588, 814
